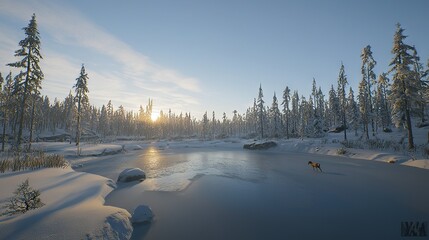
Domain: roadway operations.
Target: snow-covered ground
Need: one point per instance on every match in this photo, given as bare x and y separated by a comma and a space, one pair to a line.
74, 207
215, 189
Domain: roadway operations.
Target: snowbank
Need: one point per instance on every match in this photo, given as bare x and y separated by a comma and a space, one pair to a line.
74, 207
420, 163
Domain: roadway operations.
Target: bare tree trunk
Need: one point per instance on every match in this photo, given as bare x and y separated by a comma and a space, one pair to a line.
31, 123
21, 119
410, 130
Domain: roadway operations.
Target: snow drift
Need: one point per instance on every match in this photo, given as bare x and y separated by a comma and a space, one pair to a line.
74, 207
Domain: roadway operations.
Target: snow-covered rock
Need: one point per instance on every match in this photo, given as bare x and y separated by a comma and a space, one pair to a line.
131, 174
142, 214
260, 146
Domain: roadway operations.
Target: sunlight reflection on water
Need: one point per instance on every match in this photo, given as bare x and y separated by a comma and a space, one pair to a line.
174, 172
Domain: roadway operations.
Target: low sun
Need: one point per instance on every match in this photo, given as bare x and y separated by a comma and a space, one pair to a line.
154, 116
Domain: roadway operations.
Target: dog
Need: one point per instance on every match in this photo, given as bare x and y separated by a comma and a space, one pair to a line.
315, 165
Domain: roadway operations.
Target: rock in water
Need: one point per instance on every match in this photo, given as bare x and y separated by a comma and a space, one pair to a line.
142, 214
260, 146
131, 174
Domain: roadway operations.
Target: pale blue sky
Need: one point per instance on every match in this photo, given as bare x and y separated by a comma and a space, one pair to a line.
193, 56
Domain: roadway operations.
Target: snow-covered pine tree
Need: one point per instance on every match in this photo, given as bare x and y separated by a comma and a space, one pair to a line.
320, 111
103, 122
305, 126
364, 106
235, 124
275, 116
426, 83
334, 108
314, 93
224, 125
261, 111
213, 125
255, 117
286, 111
352, 112
315, 128
31, 76
342, 82
7, 107
405, 89
205, 126
382, 105
295, 114
368, 75
81, 98
419, 74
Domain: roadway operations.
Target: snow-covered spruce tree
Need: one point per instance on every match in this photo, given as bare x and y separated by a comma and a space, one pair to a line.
321, 106
342, 82
314, 92
119, 122
26, 198
205, 127
306, 118
300, 118
426, 84
81, 98
254, 118
295, 114
261, 111
334, 108
103, 122
31, 76
368, 76
225, 126
352, 112
286, 111
382, 104
318, 106
419, 74
363, 107
213, 125
405, 89
8, 104
3, 108
275, 116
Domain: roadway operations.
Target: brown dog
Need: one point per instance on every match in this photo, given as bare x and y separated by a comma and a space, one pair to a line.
315, 165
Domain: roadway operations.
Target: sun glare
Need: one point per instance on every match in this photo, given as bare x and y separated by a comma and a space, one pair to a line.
154, 116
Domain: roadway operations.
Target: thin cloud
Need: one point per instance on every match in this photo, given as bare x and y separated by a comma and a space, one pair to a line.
66, 26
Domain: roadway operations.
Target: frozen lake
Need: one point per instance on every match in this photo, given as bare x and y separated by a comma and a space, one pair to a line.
231, 193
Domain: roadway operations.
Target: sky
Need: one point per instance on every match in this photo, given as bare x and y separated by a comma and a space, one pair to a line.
200, 55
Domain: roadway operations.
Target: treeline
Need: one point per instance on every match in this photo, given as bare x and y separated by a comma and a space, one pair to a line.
383, 99
393, 97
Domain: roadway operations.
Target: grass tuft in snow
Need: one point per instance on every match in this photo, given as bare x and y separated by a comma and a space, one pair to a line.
374, 144
341, 151
31, 161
